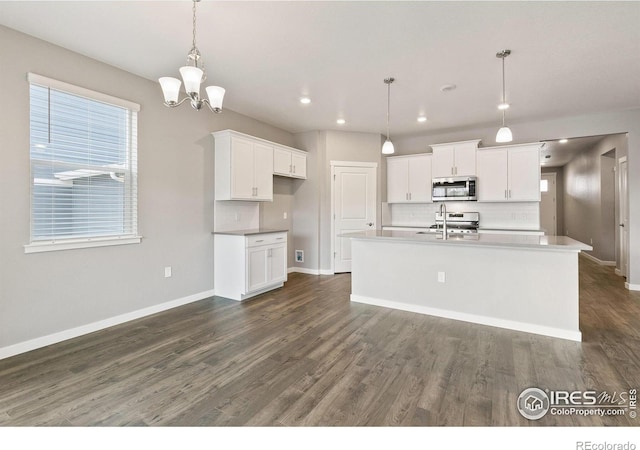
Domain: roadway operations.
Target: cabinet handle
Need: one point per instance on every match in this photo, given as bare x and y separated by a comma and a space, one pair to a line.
509, 193
505, 193
294, 169
409, 195
289, 168
269, 253
259, 240
280, 238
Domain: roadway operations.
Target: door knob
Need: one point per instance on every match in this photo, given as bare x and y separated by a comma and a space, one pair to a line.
621, 225
370, 224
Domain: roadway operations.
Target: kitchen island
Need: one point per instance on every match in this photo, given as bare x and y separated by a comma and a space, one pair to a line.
519, 282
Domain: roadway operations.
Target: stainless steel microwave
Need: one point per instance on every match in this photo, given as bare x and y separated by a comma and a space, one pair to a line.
454, 189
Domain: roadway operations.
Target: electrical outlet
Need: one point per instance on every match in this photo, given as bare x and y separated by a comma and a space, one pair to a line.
441, 277
284, 215
167, 272
591, 241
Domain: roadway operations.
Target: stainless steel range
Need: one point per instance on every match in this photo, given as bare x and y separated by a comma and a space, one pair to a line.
457, 222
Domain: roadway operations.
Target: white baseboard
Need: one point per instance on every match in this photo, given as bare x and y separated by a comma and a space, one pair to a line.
310, 271
632, 287
598, 261
473, 318
32, 344
304, 270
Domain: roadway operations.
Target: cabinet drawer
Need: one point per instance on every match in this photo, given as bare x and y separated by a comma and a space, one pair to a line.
266, 239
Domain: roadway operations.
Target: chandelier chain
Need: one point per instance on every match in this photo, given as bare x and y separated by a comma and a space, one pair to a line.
194, 24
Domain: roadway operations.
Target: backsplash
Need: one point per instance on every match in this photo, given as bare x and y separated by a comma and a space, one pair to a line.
525, 215
232, 215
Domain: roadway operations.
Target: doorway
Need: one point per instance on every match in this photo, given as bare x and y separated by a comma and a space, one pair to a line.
623, 220
548, 204
353, 206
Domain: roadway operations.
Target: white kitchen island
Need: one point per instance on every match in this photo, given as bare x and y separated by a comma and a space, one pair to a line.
519, 282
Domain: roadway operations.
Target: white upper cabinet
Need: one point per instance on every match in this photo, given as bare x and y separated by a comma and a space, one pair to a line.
289, 162
454, 159
409, 179
243, 167
509, 173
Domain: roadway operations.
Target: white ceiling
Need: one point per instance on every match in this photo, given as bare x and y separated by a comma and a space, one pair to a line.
560, 154
567, 58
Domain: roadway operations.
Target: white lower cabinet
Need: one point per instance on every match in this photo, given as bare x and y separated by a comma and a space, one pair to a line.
248, 265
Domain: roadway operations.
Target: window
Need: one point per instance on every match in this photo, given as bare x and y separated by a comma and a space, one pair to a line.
544, 185
83, 167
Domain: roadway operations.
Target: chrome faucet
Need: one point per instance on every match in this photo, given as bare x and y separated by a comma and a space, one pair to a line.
443, 213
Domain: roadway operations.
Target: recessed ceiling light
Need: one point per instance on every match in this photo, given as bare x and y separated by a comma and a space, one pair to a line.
563, 141
503, 106
341, 121
448, 87
422, 119
305, 100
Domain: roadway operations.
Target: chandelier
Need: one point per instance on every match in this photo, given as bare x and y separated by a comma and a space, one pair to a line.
192, 74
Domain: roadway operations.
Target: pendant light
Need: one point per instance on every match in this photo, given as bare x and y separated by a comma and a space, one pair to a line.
192, 74
504, 133
387, 147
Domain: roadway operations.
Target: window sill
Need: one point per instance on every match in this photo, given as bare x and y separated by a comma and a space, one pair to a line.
71, 244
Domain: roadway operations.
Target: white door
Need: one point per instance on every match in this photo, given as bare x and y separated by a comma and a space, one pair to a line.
397, 183
354, 209
492, 175
548, 209
263, 171
443, 162
465, 160
420, 185
299, 165
281, 161
241, 169
624, 219
524, 174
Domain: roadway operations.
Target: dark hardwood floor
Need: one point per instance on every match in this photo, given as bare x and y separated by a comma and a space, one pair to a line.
305, 355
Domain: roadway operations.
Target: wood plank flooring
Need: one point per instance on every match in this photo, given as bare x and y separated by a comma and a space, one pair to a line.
304, 356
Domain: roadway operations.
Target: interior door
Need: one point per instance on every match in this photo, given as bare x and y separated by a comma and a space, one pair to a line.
354, 209
624, 219
548, 208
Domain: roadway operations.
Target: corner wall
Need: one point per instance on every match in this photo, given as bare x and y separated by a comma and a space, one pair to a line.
44, 294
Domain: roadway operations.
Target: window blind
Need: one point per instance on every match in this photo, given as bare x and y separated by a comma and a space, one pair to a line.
83, 163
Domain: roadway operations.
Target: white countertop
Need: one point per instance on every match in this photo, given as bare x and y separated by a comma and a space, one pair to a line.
493, 240
251, 231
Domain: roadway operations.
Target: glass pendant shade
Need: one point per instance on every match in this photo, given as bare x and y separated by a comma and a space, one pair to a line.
216, 95
504, 135
170, 89
192, 76
387, 147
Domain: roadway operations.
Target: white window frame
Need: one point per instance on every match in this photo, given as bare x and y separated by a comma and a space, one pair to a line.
37, 246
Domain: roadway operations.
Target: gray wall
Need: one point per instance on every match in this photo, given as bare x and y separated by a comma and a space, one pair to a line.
590, 196
615, 122
45, 293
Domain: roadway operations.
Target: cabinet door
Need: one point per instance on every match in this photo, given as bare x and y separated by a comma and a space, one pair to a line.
443, 162
281, 161
524, 174
465, 160
299, 165
263, 171
241, 169
257, 268
492, 175
397, 182
277, 260
420, 187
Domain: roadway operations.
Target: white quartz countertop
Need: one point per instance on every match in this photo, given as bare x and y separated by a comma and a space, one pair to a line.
494, 240
252, 231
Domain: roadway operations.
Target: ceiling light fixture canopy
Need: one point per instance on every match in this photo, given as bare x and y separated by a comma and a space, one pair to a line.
192, 74
387, 147
504, 133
